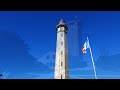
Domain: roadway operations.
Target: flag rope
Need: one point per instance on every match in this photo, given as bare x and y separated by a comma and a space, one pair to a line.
92, 59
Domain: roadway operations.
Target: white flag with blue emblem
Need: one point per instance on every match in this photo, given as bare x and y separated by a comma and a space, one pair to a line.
86, 46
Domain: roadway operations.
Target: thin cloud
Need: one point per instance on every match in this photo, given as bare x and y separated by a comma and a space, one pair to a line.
5, 75
41, 76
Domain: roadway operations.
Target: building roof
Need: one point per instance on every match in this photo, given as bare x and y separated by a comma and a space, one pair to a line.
61, 21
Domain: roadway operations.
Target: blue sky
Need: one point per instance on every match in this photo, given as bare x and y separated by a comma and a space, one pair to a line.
38, 29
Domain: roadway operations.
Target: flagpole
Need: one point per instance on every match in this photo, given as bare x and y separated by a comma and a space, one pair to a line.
92, 59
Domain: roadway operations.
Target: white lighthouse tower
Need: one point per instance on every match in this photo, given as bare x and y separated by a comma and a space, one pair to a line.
61, 63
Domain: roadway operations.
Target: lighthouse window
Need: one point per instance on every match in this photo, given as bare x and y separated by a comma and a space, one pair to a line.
62, 28
61, 63
61, 43
61, 52
61, 35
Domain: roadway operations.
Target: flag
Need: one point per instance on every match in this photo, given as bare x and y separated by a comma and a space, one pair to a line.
85, 46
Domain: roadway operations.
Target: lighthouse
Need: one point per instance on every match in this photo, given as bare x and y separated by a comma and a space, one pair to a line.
61, 63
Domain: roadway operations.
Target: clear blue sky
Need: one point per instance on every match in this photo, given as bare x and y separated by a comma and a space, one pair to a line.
38, 29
